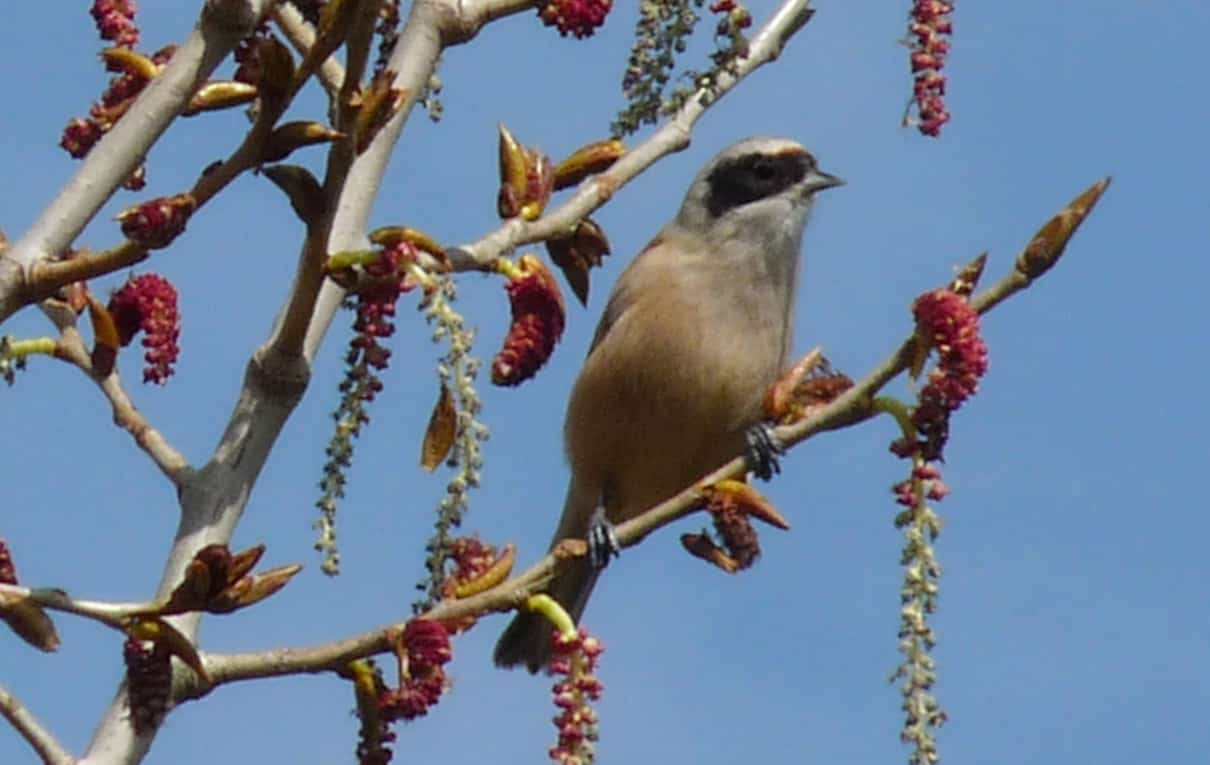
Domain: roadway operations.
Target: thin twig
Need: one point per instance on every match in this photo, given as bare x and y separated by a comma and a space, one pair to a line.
109, 614
309, 278
302, 36
45, 744
126, 415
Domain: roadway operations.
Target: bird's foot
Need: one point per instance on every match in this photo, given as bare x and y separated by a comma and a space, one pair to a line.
602, 541
762, 450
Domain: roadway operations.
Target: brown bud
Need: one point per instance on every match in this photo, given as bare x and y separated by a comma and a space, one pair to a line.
243, 562
206, 575
701, 546
527, 179
294, 135
1044, 249
276, 65
128, 61
744, 498
588, 160
390, 236
252, 589
31, 623
105, 338
378, 105
965, 281
577, 253
489, 578
512, 156
540, 183
214, 96
304, 192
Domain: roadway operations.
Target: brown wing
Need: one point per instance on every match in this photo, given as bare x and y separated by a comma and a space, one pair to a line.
619, 298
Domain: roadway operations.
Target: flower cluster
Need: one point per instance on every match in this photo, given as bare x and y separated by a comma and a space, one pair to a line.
375, 735
575, 662
661, 33
477, 567
154, 224
738, 536
929, 27
458, 369
375, 310
422, 650
148, 683
148, 303
925, 482
115, 21
134, 71
918, 601
945, 322
472, 557
580, 18
538, 316
386, 278
652, 87
733, 18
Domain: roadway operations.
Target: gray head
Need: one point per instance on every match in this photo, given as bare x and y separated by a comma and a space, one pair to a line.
757, 188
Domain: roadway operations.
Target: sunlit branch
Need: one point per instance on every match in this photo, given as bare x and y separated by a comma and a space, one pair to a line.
46, 745
302, 36
223, 23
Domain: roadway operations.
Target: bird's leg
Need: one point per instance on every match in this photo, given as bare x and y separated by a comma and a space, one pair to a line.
762, 450
602, 541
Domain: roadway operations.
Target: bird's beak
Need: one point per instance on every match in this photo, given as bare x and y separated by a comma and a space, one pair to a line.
817, 180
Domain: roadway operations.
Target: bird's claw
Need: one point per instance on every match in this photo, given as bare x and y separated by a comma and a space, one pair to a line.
602, 541
762, 450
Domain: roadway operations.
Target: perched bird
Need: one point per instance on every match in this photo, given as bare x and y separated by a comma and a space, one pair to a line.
695, 331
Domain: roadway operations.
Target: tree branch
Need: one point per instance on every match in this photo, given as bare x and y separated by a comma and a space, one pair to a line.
222, 24
126, 415
288, 340
302, 36
109, 614
46, 745
673, 136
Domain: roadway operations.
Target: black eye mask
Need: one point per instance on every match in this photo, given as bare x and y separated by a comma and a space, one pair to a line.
754, 176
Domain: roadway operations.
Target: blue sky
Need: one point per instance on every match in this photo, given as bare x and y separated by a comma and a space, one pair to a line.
1073, 623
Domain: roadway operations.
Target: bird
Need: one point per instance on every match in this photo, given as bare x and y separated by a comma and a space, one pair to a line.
694, 332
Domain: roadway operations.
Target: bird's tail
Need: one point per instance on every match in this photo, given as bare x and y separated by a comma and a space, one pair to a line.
527, 639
